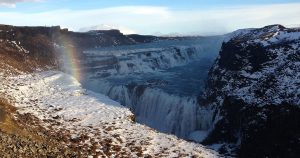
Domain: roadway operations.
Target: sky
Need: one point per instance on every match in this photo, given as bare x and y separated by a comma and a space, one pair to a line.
158, 17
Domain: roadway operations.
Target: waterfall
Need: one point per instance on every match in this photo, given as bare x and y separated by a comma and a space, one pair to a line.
139, 78
165, 112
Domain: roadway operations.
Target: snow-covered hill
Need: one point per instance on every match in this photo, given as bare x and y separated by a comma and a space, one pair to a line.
93, 120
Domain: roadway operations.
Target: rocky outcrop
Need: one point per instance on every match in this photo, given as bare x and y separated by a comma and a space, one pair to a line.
254, 89
25, 48
143, 38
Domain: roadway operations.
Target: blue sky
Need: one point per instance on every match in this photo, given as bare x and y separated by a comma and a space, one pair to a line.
95, 4
152, 17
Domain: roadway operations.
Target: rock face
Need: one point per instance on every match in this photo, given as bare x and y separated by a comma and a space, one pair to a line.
254, 88
25, 48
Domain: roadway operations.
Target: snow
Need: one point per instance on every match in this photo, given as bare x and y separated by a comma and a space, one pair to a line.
52, 94
237, 33
17, 45
266, 36
284, 68
279, 37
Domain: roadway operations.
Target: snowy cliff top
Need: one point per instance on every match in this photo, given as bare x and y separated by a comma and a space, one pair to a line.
266, 36
58, 100
261, 66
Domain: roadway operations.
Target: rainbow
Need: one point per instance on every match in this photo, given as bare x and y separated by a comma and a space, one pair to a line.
70, 58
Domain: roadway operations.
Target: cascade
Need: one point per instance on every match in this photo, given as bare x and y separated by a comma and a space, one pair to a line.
159, 83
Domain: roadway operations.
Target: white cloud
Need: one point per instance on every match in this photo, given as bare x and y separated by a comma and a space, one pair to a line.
151, 19
12, 3
135, 17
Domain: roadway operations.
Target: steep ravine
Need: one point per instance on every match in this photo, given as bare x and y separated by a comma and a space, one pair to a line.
159, 82
60, 111
248, 108
250, 104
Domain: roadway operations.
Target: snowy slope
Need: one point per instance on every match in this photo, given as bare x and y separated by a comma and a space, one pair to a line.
58, 100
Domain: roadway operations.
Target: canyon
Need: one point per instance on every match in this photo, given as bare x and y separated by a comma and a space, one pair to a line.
236, 93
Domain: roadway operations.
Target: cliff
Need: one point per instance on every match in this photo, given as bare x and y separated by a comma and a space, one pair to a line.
253, 88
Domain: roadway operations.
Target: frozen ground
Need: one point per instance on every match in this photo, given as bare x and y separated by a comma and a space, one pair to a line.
58, 100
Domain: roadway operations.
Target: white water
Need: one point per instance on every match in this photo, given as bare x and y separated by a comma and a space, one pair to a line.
160, 84
165, 112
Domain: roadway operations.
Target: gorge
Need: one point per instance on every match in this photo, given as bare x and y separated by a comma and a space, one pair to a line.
237, 93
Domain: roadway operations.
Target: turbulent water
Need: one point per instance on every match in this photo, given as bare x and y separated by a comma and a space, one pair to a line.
158, 81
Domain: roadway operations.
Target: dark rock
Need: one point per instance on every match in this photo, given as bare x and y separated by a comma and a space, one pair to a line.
253, 89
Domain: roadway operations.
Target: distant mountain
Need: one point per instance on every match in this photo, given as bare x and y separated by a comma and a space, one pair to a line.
254, 89
122, 29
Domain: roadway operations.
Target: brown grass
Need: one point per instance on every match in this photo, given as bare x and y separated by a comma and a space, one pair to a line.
10, 125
